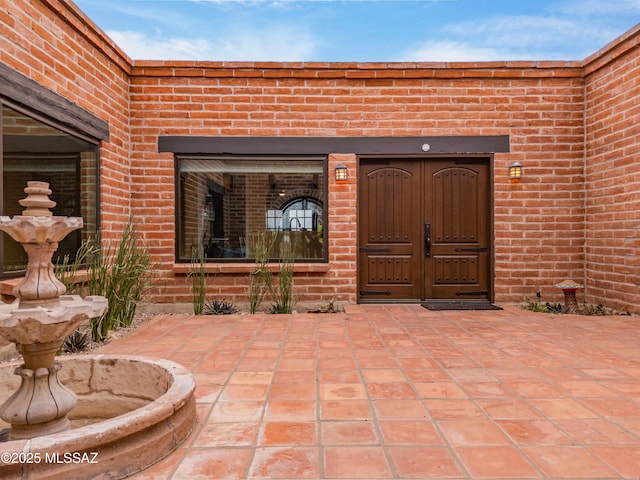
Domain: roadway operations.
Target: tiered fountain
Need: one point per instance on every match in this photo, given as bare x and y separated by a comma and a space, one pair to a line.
40, 319
126, 404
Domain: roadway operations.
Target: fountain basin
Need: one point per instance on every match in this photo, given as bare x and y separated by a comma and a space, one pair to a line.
131, 412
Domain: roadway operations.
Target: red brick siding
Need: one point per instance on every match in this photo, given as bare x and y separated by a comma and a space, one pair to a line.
538, 242
612, 170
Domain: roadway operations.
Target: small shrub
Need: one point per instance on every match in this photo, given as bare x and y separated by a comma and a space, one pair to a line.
219, 307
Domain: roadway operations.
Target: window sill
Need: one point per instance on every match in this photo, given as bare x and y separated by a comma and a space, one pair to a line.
186, 268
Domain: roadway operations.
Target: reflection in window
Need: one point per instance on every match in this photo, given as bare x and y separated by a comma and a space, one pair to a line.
225, 203
32, 150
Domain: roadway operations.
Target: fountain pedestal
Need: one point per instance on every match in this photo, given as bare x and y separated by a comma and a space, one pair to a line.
40, 319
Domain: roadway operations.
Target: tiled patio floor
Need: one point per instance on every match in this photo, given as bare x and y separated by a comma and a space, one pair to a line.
402, 392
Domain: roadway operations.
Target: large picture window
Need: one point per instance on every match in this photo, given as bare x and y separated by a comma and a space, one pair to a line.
33, 150
229, 205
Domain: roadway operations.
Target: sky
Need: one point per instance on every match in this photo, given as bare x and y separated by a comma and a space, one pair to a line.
362, 30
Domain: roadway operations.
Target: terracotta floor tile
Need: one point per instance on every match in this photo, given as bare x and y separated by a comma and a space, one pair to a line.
388, 375
421, 462
293, 391
345, 409
562, 408
236, 412
623, 459
597, 431
496, 462
534, 432
631, 389
285, 463
374, 360
339, 376
472, 432
560, 461
244, 392
451, 409
485, 389
614, 407
226, 435
417, 362
534, 389
346, 391
391, 390
207, 393
213, 463
291, 410
400, 410
410, 433
251, 378
356, 462
349, 433
507, 408
427, 375
439, 390
163, 470
297, 364
288, 433
472, 375
586, 389
306, 376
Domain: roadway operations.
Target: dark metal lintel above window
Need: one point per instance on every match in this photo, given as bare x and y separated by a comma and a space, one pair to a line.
450, 144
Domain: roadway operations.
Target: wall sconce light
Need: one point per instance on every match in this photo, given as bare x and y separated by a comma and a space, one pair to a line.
341, 173
515, 171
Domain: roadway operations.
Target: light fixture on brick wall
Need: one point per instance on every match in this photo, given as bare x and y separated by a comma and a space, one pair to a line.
515, 171
341, 173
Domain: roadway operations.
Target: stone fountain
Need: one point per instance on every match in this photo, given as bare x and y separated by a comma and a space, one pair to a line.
41, 318
121, 412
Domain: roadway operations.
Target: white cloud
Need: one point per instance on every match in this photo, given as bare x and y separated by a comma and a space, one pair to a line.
449, 51
276, 43
513, 37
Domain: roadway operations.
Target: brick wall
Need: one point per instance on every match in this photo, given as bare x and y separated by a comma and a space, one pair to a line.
539, 229
566, 219
612, 172
55, 44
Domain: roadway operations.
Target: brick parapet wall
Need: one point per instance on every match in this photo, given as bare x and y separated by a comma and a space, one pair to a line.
612, 174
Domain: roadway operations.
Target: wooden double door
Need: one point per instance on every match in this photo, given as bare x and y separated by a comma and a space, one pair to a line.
424, 229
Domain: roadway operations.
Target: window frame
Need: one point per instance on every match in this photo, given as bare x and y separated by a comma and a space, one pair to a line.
180, 195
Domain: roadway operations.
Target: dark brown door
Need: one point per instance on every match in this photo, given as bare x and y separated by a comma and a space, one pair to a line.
424, 229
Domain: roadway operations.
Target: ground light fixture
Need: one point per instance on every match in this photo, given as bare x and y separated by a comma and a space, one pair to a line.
515, 171
341, 173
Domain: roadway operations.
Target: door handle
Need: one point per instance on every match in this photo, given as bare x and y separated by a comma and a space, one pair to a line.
427, 240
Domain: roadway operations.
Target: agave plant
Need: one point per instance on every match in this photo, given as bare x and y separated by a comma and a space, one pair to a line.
219, 307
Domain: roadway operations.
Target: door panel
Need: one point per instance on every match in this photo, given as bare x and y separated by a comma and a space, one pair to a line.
389, 234
423, 229
456, 206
